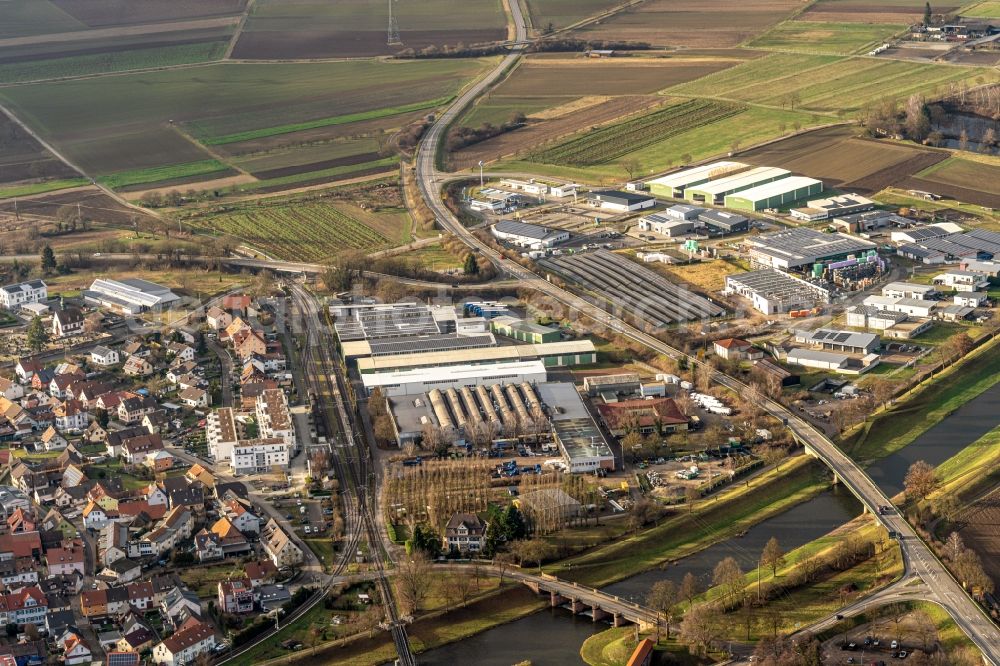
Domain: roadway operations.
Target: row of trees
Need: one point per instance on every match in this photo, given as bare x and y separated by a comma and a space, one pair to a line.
463, 136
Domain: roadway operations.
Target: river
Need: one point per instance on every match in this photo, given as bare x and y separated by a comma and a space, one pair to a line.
553, 637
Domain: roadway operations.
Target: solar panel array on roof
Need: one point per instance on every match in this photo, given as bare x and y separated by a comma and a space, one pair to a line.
430, 343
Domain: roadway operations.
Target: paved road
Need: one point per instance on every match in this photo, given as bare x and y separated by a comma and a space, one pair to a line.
942, 587
226, 378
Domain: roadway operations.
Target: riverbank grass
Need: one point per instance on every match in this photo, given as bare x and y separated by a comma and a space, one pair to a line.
927, 406
714, 519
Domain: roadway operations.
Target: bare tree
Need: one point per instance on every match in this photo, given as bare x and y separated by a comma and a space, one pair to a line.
728, 576
663, 597
772, 556
920, 480
701, 627
413, 580
690, 588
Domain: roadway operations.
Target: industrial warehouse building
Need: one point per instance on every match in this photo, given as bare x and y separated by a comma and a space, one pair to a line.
841, 341
131, 296
576, 434
533, 236
368, 321
423, 380
824, 209
721, 222
523, 331
623, 202
801, 248
773, 292
551, 354
671, 227
673, 185
776, 194
714, 192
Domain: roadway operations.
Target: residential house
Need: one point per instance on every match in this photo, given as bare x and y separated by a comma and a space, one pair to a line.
65, 560
104, 356
156, 422
137, 366
736, 349
260, 572
67, 322
71, 416
15, 296
194, 397
51, 440
27, 605
122, 571
191, 640
136, 348
249, 341
119, 658
464, 533
217, 318
75, 650
178, 604
180, 351
135, 450
233, 541
132, 409
207, 546
236, 596
59, 384
280, 547
239, 514
10, 389
116, 438
160, 461
26, 368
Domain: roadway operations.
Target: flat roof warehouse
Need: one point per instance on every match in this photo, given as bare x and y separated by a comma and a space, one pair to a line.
793, 248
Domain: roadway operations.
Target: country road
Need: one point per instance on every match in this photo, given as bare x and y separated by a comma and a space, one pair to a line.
942, 588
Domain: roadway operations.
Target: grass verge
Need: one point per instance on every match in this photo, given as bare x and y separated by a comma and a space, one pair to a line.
156, 174
41, 188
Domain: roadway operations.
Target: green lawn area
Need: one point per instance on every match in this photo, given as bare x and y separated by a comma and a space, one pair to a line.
935, 399
203, 579
323, 550
830, 38
113, 469
42, 187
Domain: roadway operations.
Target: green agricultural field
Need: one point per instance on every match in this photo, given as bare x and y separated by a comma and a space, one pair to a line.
278, 130
40, 188
830, 38
308, 231
829, 84
608, 143
173, 172
973, 174
114, 61
23, 18
988, 9
119, 123
561, 13
752, 126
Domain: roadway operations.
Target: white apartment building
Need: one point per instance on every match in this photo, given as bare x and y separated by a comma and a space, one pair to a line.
274, 421
257, 456
221, 433
13, 296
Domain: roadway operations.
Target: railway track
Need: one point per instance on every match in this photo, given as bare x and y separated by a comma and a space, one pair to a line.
351, 459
